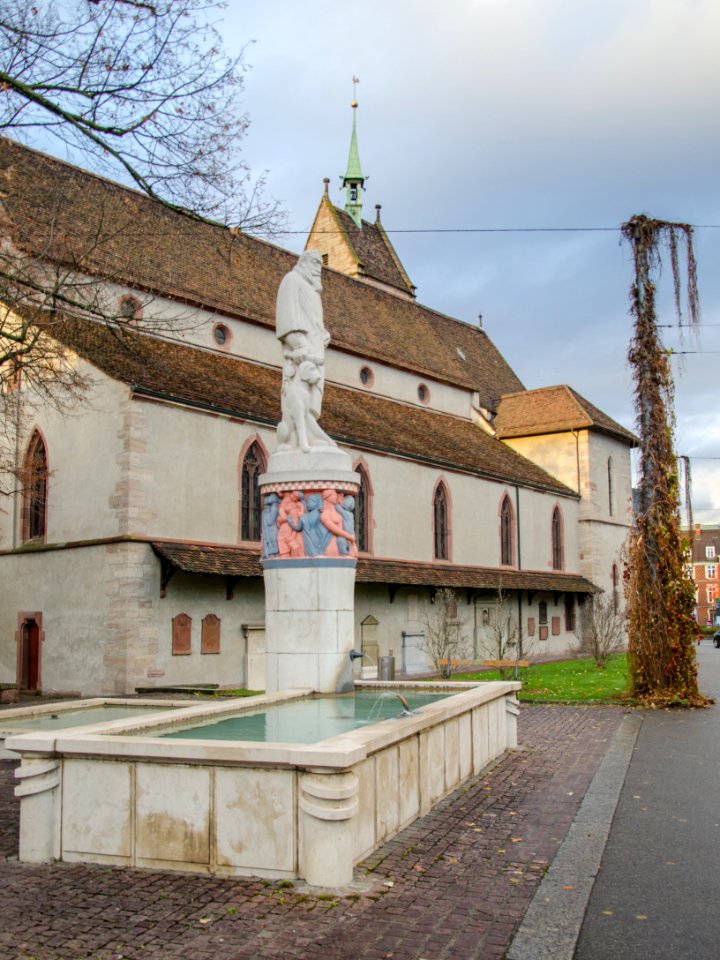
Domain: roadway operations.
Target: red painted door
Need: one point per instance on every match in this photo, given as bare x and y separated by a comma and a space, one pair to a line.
30, 655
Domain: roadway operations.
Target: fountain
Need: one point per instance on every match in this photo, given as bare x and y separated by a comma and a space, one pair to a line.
309, 553
146, 792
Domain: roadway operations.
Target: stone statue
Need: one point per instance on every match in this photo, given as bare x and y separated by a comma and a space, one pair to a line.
300, 329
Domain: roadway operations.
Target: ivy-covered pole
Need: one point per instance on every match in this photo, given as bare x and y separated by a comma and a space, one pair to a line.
660, 596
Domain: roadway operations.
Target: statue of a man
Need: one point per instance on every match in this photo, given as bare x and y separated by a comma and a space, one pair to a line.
299, 327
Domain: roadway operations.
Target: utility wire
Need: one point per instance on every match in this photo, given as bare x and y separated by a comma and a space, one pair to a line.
702, 226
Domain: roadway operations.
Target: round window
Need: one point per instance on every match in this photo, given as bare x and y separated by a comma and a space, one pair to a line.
221, 334
130, 309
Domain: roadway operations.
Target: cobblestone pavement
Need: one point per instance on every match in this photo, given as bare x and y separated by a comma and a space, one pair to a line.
453, 886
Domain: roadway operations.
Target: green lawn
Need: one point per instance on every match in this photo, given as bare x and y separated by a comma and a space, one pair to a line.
567, 681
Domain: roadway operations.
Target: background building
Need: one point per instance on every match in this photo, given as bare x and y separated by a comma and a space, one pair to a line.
705, 558
129, 555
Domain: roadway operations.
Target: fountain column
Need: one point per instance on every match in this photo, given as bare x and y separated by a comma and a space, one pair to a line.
308, 495
310, 597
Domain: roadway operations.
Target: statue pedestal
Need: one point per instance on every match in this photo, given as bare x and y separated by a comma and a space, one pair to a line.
310, 573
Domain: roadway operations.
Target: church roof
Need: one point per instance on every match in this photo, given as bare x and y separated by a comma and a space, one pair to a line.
371, 249
59, 212
553, 410
241, 562
174, 371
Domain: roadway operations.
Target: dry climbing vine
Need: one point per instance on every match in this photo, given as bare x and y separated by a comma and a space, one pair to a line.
660, 596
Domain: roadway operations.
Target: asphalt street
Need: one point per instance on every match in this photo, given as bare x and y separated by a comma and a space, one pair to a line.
655, 894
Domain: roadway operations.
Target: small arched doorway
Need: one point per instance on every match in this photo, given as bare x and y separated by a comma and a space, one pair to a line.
29, 654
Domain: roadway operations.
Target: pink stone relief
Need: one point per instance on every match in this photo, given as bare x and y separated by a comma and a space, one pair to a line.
314, 522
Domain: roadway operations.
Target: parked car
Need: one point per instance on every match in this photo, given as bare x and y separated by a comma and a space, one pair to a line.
716, 638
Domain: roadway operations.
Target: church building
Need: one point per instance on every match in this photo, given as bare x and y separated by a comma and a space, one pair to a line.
130, 548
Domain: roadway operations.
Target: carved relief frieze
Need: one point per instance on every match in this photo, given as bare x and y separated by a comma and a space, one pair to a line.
315, 519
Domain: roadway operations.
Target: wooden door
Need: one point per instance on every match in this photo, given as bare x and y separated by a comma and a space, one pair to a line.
30, 655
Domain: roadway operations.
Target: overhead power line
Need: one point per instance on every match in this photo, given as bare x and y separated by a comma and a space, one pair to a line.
702, 226
683, 326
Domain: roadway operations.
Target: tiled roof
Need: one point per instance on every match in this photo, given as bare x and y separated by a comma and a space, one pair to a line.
67, 215
706, 536
222, 561
375, 254
188, 374
553, 410
241, 562
473, 578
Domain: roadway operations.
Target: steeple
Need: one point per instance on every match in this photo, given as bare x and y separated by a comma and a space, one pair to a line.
353, 180
350, 245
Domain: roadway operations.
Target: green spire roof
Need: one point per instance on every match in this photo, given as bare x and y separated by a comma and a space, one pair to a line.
354, 179
354, 170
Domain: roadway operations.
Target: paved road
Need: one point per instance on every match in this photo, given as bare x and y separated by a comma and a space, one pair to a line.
454, 886
656, 894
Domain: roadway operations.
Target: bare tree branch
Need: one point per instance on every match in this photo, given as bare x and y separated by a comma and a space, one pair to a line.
445, 640
144, 90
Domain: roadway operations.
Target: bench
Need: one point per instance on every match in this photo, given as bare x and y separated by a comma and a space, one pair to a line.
505, 664
489, 664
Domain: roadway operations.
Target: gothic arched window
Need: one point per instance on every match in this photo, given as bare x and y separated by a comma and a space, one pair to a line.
250, 512
557, 540
35, 487
362, 511
506, 532
441, 523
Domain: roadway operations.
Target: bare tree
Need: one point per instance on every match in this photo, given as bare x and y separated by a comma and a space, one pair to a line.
141, 89
502, 637
602, 629
445, 639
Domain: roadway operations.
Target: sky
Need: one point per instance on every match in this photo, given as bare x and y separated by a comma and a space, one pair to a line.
497, 115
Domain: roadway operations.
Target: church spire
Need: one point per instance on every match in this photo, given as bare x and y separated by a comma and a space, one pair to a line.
353, 180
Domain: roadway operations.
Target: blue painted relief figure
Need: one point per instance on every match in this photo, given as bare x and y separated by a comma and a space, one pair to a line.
346, 509
270, 512
315, 536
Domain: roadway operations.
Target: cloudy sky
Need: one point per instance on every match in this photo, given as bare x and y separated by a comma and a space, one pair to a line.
478, 114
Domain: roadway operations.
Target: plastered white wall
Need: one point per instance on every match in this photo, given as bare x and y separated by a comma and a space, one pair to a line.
556, 453
106, 628
85, 451
402, 514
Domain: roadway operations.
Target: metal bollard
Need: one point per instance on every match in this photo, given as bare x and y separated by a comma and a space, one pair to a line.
386, 668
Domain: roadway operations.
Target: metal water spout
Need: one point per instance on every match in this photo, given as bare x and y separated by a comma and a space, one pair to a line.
356, 655
406, 711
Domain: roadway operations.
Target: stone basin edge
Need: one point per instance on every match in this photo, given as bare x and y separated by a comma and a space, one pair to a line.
341, 752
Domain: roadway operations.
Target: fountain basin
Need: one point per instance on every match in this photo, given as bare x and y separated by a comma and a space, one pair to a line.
122, 794
75, 713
